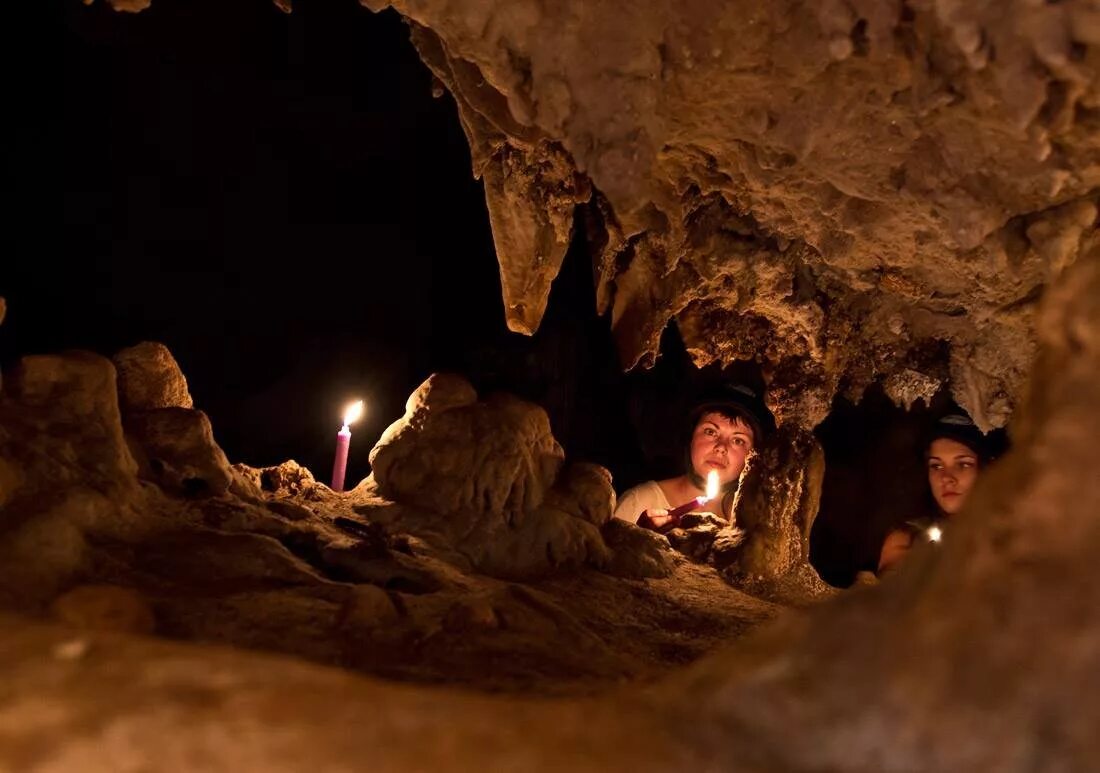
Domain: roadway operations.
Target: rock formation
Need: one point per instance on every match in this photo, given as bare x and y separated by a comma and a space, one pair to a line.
120, 513
846, 192
979, 654
486, 479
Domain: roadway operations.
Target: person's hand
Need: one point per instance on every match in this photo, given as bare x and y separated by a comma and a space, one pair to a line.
655, 519
659, 517
865, 578
894, 549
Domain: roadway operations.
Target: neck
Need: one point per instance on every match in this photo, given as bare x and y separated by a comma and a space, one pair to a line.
699, 485
692, 487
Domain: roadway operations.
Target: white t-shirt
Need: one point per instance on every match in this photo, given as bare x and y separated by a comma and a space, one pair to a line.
635, 501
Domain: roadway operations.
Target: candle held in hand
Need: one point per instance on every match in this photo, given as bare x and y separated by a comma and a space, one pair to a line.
675, 514
343, 444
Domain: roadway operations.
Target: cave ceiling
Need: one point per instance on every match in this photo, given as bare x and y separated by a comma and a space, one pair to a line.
846, 192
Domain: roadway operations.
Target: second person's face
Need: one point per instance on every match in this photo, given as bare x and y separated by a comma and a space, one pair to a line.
952, 470
718, 443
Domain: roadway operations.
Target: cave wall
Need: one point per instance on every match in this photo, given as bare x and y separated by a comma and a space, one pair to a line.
977, 654
849, 192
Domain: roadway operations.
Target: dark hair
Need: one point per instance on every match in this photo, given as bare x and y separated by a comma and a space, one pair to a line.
958, 427
734, 401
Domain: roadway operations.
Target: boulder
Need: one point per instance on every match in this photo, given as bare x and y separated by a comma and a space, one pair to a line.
150, 378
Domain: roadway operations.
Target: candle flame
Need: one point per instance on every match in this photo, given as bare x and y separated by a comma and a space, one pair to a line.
712, 484
935, 533
353, 412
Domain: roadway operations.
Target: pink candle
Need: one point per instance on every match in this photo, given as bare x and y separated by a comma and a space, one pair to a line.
340, 466
676, 513
343, 444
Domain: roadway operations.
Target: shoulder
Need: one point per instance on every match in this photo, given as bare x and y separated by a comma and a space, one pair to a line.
638, 499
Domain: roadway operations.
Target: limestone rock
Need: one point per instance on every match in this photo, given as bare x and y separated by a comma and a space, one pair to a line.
482, 477
247, 482
775, 506
43, 545
66, 407
843, 192
105, 608
290, 510
278, 562
65, 472
177, 451
149, 378
584, 490
935, 668
368, 607
544, 540
840, 190
209, 559
449, 453
726, 546
371, 561
637, 552
288, 478
531, 186
471, 614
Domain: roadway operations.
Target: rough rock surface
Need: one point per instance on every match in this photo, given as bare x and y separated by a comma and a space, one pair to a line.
104, 608
776, 506
844, 191
485, 478
450, 452
65, 471
978, 654
93, 536
149, 378
175, 447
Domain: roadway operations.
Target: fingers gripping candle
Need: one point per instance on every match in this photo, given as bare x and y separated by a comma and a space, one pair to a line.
343, 443
672, 518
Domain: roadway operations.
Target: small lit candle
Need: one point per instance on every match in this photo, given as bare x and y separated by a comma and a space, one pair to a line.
935, 533
677, 513
687, 507
343, 443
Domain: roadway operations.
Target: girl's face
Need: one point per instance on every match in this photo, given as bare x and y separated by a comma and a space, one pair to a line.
952, 470
720, 444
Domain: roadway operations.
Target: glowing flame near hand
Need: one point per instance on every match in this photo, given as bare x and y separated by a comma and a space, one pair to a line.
935, 533
353, 412
712, 484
